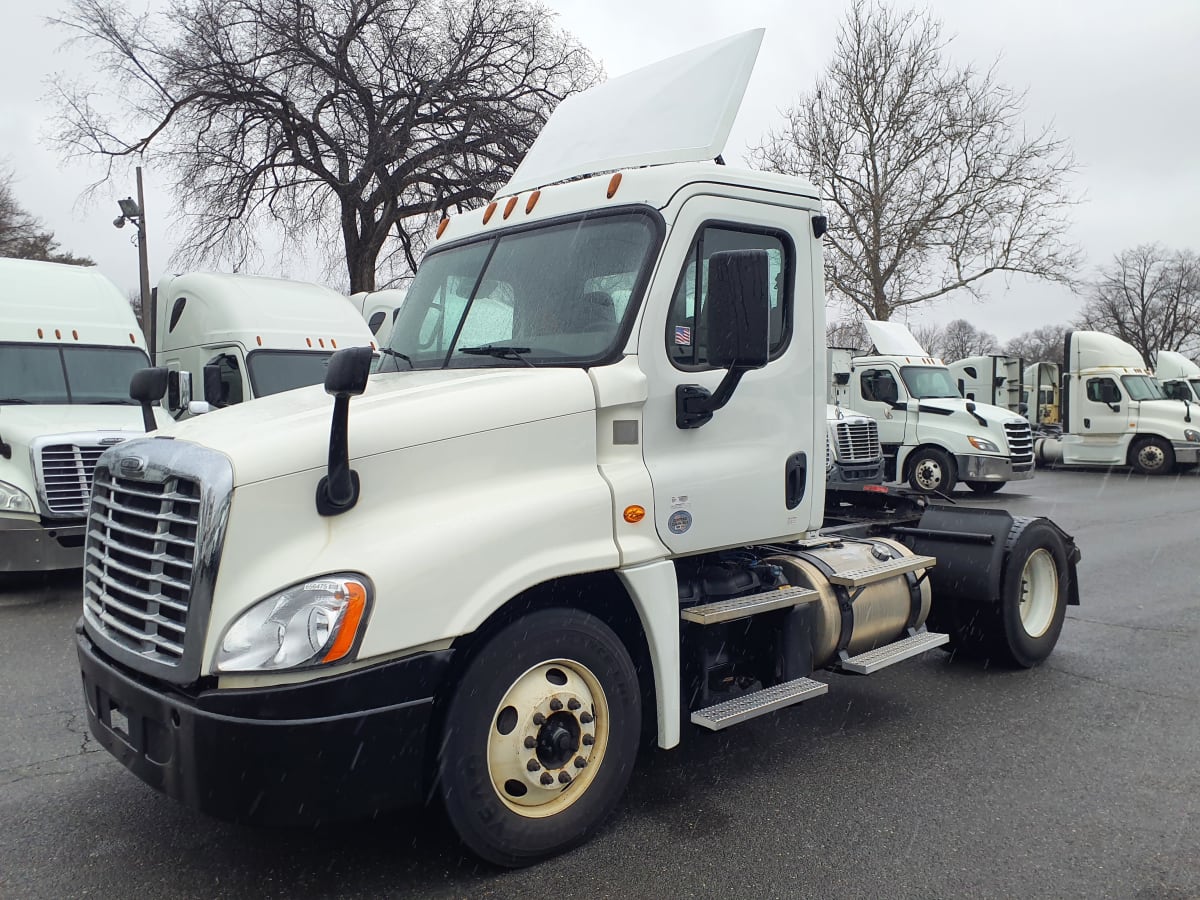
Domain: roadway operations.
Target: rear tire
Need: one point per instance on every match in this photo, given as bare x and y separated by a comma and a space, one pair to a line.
1152, 456
1024, 627
931, 470
985, 487
551, 690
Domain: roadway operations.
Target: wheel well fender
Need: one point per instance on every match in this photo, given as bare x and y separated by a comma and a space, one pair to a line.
1140, 439
906, 466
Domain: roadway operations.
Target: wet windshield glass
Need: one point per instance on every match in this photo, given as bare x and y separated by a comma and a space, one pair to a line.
927, 382
1142, 387
1195, 383
56, 374
275, 371
554, 295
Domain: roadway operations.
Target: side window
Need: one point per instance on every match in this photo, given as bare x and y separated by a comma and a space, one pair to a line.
1103, 390
231, 379
687, 332
880, 385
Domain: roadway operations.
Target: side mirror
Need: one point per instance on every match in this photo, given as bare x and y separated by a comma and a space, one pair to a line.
179, 391
345, 377
738, 330
212, 385
1109, 393
147, 387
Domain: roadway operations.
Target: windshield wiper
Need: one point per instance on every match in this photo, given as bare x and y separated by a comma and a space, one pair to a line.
13, 400
110, 403
396, 354
499, 352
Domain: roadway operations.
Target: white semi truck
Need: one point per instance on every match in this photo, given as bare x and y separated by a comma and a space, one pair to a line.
1042, 390
237, 337
853, 452
995, 379
69, 343
580, 503
932, 436
1178, 375
379, 310
1115, 413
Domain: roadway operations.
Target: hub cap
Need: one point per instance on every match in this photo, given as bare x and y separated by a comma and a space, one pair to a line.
547, 738
1151, 457
928, 474
1039, 593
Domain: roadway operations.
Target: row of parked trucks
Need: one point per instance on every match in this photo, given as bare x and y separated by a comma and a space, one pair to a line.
572, 502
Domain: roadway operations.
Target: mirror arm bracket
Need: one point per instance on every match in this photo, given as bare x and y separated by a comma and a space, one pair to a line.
694, 405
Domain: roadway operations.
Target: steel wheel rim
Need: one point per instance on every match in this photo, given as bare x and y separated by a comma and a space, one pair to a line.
928, 473
1039, 593
552, 717
1152, 457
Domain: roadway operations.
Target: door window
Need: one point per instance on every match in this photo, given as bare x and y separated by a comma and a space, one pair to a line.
687, 331
879, 385
231, 379
1103, 390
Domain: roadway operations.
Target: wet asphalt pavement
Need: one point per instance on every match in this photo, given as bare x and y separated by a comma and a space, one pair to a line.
935, 778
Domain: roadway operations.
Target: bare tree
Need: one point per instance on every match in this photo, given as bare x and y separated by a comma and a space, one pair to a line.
960, 339
23, 236
364, 119
928, 336
847, 334
931, 180
1149, 297
1043, 344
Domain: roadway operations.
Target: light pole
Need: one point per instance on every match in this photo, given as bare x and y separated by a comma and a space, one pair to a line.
135, 211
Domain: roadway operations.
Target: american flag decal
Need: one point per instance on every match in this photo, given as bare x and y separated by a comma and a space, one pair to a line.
683, 334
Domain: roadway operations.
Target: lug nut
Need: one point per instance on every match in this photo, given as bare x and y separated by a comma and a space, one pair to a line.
588, 740
530, 743
585, 718
580, 762
539, 719
564, 778
573, 704
556, 704
547, 778
533, 765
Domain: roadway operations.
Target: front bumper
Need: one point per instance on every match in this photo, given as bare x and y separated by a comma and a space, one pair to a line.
992, 468
340, 747
855, 473
26, 545
1187, 453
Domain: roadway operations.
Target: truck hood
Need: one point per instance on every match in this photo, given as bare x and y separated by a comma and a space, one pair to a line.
289, 432
21, 424
995, 415
1168, 416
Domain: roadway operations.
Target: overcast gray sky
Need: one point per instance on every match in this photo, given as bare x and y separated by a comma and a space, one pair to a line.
1118, 79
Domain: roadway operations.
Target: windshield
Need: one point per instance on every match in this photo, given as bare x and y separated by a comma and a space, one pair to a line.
1142, 387
554, 295
1195, 383
57, 374
926, 382
275, 371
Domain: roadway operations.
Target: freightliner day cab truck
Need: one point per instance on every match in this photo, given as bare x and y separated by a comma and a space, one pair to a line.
853, 452
581, 502
69, 343
1115, 413
932, 436
237, 337
1178, 375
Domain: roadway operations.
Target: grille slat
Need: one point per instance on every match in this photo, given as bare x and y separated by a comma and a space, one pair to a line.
65, 472
140, 558
1020, 442
858, 442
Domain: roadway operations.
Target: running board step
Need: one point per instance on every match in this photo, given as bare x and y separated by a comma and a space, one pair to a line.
740, 607
890, 654
887, 568
759, 703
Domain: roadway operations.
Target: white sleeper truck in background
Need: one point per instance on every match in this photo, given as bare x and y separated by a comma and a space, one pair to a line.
579, 502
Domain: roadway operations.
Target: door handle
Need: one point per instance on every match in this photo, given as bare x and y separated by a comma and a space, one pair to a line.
795, 478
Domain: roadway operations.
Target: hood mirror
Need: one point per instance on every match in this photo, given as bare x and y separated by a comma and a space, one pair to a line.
147, 387
345, 377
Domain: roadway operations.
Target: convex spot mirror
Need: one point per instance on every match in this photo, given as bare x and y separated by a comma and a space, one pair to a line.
179, 391
739, 309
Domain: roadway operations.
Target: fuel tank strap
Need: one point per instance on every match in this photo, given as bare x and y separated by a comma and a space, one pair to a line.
845, 601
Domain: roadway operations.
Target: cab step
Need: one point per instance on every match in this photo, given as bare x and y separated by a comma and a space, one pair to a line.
890, 654
883, 570
758, 703
740, 607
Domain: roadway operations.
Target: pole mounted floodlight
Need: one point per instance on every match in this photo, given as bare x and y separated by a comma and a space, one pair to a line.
134, 211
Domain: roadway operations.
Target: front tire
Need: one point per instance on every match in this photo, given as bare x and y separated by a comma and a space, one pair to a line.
540, 737
985, 487
1152, 456
931, 470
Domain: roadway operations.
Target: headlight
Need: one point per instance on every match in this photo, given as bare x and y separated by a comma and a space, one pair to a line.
13, 499
309, 624
983, 444
1190, 434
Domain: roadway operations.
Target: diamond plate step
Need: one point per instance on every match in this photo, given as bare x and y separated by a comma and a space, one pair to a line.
887, 568
740, 607
890, 654
750, 706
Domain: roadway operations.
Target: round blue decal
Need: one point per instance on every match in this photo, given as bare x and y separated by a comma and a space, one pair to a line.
680, 521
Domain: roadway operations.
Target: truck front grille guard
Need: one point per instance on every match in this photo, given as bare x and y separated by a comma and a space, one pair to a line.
154, 534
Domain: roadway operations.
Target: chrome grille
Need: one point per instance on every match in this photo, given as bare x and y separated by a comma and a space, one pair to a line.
1020, 444
65, 474
139, 559
858, 442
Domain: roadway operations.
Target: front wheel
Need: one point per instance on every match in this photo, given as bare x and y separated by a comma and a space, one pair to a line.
931, 470
985, 487
540, 737
1152, 456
